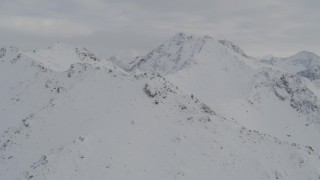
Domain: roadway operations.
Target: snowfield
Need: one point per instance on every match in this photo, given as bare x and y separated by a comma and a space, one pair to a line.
194, 108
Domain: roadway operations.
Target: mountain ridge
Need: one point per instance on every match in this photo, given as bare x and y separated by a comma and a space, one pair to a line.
224, 115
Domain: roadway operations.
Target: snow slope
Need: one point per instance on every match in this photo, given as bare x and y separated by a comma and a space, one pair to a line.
94, 121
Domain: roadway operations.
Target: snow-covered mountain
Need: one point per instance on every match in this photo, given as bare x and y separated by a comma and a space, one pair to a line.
303, 63
67, 114
241, 87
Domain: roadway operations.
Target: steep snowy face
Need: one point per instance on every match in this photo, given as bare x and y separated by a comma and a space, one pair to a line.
218, 73
60, 56
312, 73
283, 104
175, 54
302, 99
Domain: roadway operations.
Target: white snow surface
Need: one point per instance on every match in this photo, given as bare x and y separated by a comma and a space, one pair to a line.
196, 108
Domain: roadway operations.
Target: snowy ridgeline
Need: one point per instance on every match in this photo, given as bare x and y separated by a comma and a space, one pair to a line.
194, 108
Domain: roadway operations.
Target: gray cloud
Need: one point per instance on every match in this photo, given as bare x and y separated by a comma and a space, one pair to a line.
114, 27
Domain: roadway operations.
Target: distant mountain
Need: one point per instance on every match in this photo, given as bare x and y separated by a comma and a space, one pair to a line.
303, 63
303, 58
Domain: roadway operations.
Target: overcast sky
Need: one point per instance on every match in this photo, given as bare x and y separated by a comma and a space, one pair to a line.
131, 27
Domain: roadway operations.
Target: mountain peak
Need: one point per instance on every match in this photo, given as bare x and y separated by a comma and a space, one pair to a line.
180, 38
304, 55
179, 51
172, 55
180, 35
60, 56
